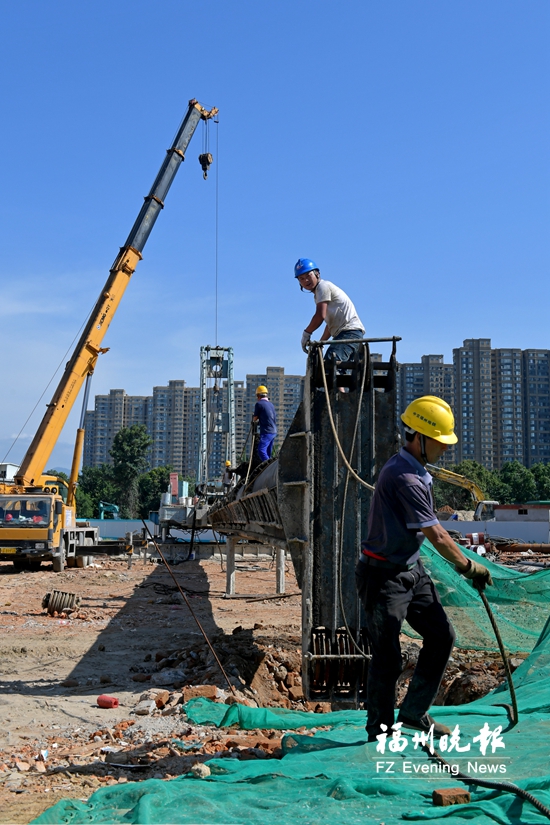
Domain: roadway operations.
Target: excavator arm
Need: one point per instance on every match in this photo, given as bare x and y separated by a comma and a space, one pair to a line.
459, 481
88, 349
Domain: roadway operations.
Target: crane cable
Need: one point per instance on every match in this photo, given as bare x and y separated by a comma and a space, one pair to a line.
358, 648
217, 122
63, 361
335, 434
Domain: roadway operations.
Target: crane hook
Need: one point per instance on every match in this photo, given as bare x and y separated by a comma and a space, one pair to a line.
205, 160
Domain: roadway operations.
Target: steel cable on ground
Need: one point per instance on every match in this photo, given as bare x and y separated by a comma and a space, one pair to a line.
188, 603
493, 784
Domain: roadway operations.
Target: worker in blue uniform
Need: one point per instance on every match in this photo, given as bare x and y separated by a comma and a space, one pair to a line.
392, 582
265, 415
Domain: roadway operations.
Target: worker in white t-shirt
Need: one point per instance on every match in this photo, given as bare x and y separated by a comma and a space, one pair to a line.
332, 307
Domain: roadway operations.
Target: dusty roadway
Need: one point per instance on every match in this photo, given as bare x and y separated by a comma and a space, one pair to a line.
124, 618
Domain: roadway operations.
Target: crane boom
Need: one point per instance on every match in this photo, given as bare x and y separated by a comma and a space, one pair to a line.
85, 355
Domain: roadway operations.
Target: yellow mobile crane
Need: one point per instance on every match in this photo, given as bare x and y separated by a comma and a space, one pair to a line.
37, 512
484, 508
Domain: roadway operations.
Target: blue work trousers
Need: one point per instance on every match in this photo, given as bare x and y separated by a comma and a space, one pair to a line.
265, 445
343, 352
389, 597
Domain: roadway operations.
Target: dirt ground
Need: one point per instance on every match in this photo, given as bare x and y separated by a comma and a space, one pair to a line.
133, 637
52, 669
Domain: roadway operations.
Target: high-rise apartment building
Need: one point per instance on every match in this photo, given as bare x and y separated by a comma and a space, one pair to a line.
410, 384
167, 425
500, 398
111, 413
190, 431
473, 407
172, 418
507, 395
242, 425
439, 378
430, 377
536, 394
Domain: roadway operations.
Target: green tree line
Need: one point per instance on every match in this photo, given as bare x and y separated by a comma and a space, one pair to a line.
513, 484
127, 482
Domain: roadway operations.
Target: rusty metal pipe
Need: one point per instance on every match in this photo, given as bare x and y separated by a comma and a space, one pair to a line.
536, 548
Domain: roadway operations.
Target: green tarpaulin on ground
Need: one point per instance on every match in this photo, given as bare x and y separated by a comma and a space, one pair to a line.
335, 776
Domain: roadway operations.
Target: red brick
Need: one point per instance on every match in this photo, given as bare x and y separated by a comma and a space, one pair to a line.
196, 691
450, 796
296, 693
161, 698
268, 745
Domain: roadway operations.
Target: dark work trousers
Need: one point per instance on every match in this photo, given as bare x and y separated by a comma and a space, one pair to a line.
389, 597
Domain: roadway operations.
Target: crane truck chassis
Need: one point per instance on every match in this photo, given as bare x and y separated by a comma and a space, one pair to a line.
37, 512
37, 527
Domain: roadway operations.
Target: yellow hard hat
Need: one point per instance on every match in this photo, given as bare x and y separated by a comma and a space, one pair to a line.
261, 390
431, 416
228, 464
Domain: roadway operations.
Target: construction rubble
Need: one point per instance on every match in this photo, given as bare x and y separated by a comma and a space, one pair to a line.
131, 638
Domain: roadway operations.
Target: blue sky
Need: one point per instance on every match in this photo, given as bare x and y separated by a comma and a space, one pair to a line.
401, 145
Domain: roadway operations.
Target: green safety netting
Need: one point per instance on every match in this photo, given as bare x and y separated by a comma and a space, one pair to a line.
335, 776
519, 601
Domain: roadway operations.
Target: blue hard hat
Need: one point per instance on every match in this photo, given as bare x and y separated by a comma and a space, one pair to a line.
304, 265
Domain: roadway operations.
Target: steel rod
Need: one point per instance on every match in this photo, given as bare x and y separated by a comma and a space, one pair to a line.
335, 341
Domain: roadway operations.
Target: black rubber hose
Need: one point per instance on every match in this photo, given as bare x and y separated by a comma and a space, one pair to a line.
515, 715
493, 784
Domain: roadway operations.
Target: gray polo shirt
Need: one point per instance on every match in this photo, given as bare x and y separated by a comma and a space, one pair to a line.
401, 506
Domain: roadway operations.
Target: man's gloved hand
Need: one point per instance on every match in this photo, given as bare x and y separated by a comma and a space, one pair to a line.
479, 574
305, 340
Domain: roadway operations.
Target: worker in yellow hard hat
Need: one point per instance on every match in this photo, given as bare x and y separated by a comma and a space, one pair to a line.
392, 582
228, 477
265, 415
